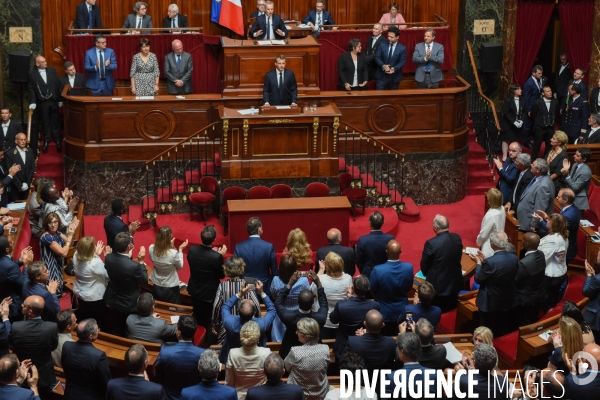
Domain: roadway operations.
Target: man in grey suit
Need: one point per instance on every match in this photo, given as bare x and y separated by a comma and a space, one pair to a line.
138, 19
579, 176
429, 57
537, 195
178, 69
146, 325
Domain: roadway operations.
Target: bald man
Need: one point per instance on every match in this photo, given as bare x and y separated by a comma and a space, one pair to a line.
390, 283
44, 95
13, 374
178, 70
25, 158
529, 291
574, 387
377, 350
334, 237
35, 339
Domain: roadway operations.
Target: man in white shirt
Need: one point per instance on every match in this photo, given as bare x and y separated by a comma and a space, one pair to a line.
66, 322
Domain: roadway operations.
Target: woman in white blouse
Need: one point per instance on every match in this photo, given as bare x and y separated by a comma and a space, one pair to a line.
554, 245
91, 279
493, 221
167, 261
335, 282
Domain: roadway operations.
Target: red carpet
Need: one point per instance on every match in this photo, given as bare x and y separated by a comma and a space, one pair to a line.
51, 165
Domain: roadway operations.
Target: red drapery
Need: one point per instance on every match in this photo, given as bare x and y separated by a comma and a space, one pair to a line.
576, 19
532, 21
205, 51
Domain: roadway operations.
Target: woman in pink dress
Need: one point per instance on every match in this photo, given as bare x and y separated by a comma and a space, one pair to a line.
393, 17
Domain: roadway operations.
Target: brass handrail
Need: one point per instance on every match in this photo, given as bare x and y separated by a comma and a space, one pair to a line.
373, 139
181, 142
479, 90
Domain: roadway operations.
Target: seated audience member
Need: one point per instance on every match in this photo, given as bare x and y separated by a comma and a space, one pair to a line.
12, 279
334, 237
287, 268
34, 339
350, 314
571, 310
167, 261
176, 365
376, 350
409, 351
209, 368
260, 9
565, 199
554, 246
485, 359
305, 303
352, 362
421, 307
113, 223
136, 384
54, 247
86, 367
335, 284
66, 322
5, 325
308, 362
77, 82
247, 311
138, 19
591, 289
567, 340
371, 248
392, 17
268, 26
574, 386
578, 176
174, 20
493, 221
353, 72
432, 356
318, 18
390, 283
36, 286
298, 246
13, 375
88, 16
530, 292
24, 157
146, 325
275, 388
244, 367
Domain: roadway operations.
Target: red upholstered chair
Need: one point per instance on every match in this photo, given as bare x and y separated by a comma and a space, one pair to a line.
354, 195
199, 336
281, 191
317, 189
205, 198
259, 192
231, 193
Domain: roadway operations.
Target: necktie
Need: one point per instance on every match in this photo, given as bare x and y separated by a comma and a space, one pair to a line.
574, 169
427, 66
90, 23
528, 187
101, 64
139, 24
280, 84
390, 54
179, 62
517, 185
268, 28
319, 22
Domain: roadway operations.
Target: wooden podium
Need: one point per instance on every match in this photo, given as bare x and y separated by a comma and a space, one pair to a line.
280, 143
246, 63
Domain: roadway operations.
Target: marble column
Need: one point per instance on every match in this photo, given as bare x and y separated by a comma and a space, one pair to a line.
594, 72
508, 43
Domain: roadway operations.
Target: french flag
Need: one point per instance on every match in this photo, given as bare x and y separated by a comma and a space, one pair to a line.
231, 16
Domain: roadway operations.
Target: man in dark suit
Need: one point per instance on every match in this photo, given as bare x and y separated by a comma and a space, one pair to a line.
268, 26
543, 113
5, 325
530, 291
578, 75
373, 44
260, 9
578, 176
350, 314
34, 339
593, 133
561, 79
13, 374
371, 248
576, 114
586, 386
76, 80
10, 128
275, 388
175, 20
138, 19
206, 271
532, 90
178, 70
390, 58
136, 385
595, 99
441, 264
565, 198
524, 176
88, 16
291, 317
146, 325
36, 286
507, 171
421, 306
318, 18
536, 196
209, 368
176, 365
496, 275
376, 349
258, 255
44, 95
591, 289
280, 86
100, 62
485, 360
334, 237
11, 277
86, 367
432, 356
125, 277
113, 223
24, 157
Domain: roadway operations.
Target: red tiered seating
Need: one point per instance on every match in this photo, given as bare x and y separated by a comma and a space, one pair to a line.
281, 191
317, 189
231, 193
354, 195
205, 198
259, 192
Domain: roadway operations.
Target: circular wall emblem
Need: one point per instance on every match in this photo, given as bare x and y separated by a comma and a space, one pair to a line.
386, 118
155, 124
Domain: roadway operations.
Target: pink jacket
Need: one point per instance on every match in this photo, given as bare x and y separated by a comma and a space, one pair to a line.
386, 20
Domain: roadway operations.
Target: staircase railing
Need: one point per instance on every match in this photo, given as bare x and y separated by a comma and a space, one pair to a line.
176, 172
380, 166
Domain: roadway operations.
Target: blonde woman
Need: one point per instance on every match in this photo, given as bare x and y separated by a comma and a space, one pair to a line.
167, 261
297, 245
555, 158
245, 365
493, 221
567, 340
335, 283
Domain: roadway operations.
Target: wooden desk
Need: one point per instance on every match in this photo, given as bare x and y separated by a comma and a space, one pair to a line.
515, 236
315, 216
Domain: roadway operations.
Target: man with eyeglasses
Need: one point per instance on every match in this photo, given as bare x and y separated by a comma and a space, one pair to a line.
508, 170
260, 9
100, 62
138, 19
174, 20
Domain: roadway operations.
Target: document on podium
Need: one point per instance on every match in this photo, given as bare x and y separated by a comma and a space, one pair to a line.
264, 42
278, 41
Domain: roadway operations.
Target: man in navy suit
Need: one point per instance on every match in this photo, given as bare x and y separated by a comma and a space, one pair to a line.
532, 91
136, 385
578, 75
524, 176
280, 86
11, 277
268, 26
576, 114
44, 95
496, 275
591, 289
334, 237
376, 349
432, 356
485, 360
318, 18
574, 387
390, 283
275, 388
508, 170
86, 367
113, 223
390, 59
530, 291
578, 176
75, 80
260, 9
209, 368
422, 307
370, 249
38, 275
350, 314
258, 255
12, 375
571, 212
100, 62
88, 16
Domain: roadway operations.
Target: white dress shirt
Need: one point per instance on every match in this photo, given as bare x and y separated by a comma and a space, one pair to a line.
43, 74
91, 278
5, 128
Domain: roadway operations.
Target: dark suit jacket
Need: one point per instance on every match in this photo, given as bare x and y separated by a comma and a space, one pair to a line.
520, 185
370, 50
312, 17
259, 257
485, 386
573, 216
508, 177
532, 92
575, 117
346, 69
11, 283
441, 263
510, 114
206, 271
377, 350
8, 141
540, 114
349, 314
86, 370
131, 19
530, 279
433, 356
183, 74
261, 25
16, 393
347, 254
582, 392
83, 17
113, 225
371, 251
209, 390
276, 96
582, 85
125, 276
35, 339
390, 283
25, 175
594, 108
561, 81
418, 378
182, 22
176, 368
134, 387
278, 390
80, 82
591, 289
51, 304
397, 60
38, 89
496, 275
432, 314
591, 138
